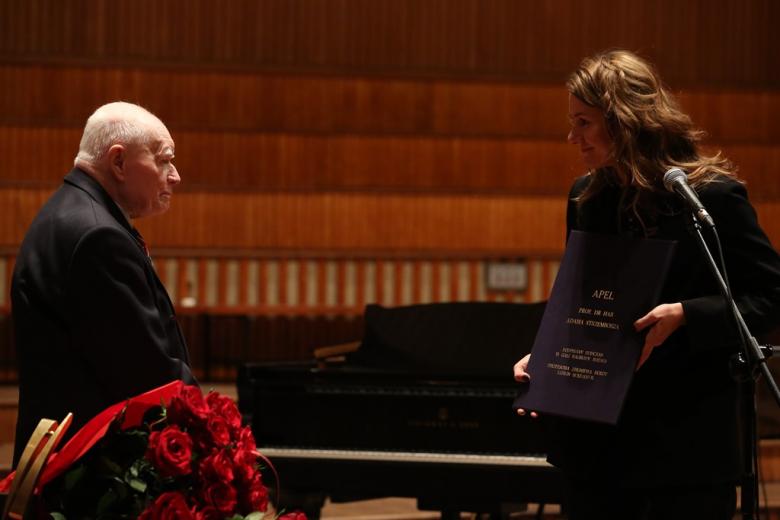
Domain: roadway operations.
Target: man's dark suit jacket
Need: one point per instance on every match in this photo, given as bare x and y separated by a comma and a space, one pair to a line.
680, 422
93, 323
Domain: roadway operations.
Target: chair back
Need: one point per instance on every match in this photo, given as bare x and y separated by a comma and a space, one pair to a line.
43, 441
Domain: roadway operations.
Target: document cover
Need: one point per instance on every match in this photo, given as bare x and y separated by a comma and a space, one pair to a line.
586, 349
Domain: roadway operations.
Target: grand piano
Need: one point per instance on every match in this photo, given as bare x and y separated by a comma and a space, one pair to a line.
422, 409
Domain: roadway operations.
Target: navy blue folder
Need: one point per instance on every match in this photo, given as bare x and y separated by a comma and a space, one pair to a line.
586, 348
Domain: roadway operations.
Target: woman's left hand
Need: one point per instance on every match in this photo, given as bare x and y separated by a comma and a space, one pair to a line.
663, 320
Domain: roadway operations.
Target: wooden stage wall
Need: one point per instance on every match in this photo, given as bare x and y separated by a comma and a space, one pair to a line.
339, 152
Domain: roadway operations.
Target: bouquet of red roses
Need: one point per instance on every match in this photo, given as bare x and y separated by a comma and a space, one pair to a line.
189, 458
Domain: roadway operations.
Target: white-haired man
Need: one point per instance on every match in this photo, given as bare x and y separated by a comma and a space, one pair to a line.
93, 323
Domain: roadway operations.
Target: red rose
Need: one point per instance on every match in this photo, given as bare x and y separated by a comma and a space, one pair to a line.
201, 438
245, 464
209, 435
225, 408
168, 506
246, 441
218, 430
170, 451
208, 513
221, 496
256, 496
295, 515
217, 466
188, 407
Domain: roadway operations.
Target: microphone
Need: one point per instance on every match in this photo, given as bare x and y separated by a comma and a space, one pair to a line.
676, 180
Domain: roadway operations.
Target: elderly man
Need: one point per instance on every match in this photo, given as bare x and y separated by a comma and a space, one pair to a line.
93, 323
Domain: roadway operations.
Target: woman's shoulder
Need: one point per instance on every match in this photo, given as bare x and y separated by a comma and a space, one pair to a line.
721, 186
726, 199
579, 185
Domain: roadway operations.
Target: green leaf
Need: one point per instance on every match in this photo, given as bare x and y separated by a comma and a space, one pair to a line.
138, 485
106, 502
74, 476
138, 469
115, 480
112, 466
257, 515
57, 516
136, 440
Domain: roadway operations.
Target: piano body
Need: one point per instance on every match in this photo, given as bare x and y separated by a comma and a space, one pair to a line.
421, 409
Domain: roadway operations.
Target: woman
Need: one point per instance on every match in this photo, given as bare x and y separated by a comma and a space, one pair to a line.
675, 451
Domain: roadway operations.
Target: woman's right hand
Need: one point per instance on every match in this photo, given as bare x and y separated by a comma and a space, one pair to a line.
522, 376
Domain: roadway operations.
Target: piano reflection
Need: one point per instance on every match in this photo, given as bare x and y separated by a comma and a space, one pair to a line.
422, 409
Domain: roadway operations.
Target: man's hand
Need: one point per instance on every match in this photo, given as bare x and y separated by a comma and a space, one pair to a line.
663, 320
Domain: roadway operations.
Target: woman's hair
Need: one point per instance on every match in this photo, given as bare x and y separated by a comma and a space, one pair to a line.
649, 132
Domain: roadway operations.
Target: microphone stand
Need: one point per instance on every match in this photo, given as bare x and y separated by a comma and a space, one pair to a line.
750, 363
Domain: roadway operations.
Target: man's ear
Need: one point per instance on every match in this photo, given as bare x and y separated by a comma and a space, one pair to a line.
116, 161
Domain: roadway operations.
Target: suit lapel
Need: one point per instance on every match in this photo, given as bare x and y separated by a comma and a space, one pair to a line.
83, 181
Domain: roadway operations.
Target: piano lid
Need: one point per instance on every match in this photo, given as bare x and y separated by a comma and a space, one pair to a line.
470, 339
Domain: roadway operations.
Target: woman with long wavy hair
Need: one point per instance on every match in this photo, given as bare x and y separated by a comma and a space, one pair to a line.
675, 452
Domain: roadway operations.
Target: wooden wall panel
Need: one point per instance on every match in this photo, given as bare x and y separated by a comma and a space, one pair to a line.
37, 156
59, 96
65, 96
230, 161
353, 222
759, 166
333, 221
338, 221
263, 162
341, 222
730, 43
370, 125
731, 116
18, 208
